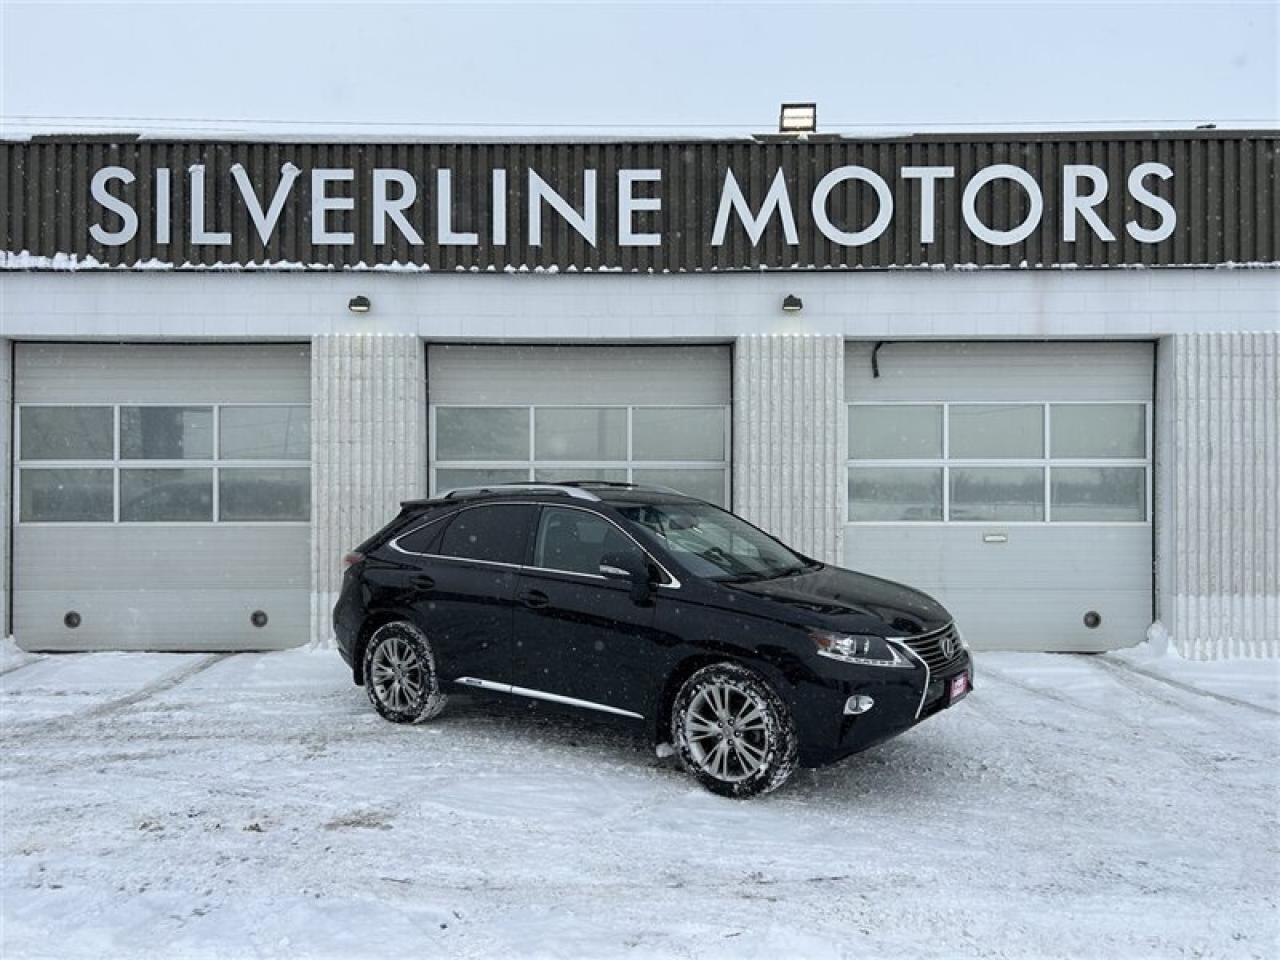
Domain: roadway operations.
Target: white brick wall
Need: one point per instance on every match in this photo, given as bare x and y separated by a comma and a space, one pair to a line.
368, 442
1115, 303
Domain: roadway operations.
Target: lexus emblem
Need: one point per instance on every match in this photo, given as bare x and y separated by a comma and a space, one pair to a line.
949, 645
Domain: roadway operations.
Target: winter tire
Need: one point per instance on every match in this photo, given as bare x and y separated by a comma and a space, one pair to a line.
400, 674
732, 732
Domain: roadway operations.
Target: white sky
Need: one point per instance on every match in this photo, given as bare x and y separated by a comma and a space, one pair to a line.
439, 69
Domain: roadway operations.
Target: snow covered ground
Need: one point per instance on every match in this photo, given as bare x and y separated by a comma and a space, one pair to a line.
253, 805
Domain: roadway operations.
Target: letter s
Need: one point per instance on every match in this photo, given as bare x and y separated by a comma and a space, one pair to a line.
126, 213
1168, 216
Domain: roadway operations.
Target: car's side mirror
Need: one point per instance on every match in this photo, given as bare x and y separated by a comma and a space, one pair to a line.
630, 566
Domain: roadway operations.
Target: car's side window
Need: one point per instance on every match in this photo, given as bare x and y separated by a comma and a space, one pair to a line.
425, 539
577, 541
497, 533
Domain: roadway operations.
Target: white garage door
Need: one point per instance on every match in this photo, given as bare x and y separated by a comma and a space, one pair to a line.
637, 414
162, 496
1010, 480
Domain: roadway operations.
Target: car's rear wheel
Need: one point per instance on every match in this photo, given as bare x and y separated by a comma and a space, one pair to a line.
400, 674
732, 732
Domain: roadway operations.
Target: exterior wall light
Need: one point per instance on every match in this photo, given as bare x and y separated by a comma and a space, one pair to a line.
792, 304
358, 304
798, 118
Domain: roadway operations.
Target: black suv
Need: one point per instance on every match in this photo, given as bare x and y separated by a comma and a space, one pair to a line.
648, 605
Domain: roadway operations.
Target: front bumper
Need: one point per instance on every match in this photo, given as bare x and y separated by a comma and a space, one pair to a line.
902, 698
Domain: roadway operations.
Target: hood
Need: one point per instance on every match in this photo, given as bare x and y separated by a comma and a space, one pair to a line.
840, 599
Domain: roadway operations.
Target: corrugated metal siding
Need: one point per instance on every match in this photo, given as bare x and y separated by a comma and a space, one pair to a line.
788, 439
368, 436
1224, 470
1224, 190
6, 426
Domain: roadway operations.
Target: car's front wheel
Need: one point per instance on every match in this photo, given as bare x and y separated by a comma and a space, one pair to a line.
733, 732
400, 674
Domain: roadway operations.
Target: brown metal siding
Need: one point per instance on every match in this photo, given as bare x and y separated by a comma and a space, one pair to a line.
1224, 190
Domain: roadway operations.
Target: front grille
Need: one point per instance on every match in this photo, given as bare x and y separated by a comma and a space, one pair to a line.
928, 648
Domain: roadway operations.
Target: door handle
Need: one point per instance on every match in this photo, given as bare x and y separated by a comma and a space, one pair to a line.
423, 582
534, 599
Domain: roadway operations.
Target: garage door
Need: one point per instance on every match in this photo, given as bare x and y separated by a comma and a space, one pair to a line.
162, 496
1011, 480
638, 414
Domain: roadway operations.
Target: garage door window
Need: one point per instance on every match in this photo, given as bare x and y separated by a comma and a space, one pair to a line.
683, 447
999, 462
66, 433
66, 496
164, 464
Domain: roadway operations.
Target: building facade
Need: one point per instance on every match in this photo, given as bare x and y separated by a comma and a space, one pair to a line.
1035, 376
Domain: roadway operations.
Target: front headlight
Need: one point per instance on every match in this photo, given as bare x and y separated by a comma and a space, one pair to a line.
864, 649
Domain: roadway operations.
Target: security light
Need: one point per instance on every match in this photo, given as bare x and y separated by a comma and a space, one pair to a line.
798, 118
358, 304
792, 304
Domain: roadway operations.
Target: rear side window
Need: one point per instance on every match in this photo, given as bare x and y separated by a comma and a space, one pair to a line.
425, 539
498, 533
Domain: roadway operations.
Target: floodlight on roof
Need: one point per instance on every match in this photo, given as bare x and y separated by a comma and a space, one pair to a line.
797, 118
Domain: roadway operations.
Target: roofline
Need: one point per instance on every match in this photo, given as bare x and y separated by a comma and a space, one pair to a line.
992, 136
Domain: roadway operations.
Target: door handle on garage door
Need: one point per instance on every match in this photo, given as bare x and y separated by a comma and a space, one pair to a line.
534, 599
423, 582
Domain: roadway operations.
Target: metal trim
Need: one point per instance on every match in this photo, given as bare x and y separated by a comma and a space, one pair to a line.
673, 582
928, 674
544, 695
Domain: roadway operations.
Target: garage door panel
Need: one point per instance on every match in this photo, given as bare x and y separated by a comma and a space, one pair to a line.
578, 374
949, 434
161, 373
654, 415
1040, 557
1015, 620
135, 438
150, 619
124, 556
1029, 593
976, 372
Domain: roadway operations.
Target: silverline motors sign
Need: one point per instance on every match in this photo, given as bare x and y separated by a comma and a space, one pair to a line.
644, 207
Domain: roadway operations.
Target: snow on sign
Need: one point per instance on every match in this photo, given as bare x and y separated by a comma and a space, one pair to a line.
1094, 200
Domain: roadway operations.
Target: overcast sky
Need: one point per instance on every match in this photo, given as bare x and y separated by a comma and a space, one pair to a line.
692, 67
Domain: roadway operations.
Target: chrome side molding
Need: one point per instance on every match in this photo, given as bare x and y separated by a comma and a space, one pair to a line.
543, 695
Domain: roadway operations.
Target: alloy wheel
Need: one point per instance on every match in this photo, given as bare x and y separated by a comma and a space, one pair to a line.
396, 675
727, 732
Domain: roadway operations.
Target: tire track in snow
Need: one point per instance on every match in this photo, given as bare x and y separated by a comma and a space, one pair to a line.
1152, 691
1194, 754
1188, 688
21, 666
147, 691
1047, 693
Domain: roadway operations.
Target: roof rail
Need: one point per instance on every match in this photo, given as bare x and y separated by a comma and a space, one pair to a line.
577, 493
619, 485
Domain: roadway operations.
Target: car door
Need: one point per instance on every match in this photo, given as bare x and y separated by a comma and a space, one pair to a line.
462, 590
580, 635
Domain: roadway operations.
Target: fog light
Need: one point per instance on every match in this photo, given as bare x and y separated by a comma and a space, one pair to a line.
859, 704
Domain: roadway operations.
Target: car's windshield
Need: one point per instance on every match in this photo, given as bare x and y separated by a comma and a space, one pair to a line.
713, 543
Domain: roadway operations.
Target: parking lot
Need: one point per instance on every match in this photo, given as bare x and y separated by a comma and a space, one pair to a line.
253, 805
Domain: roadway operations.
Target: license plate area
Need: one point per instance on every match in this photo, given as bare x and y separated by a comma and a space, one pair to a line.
958, 687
